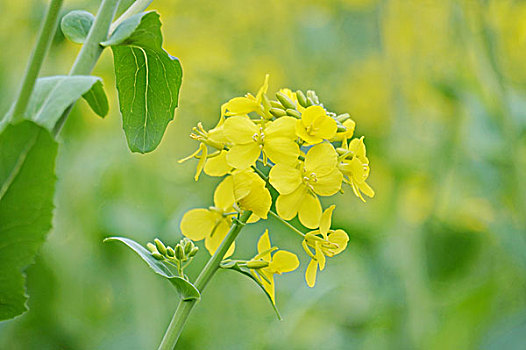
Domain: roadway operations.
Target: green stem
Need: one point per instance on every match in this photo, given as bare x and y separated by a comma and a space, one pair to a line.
92, 49
289, 225
185, 307
47, 31
137, 7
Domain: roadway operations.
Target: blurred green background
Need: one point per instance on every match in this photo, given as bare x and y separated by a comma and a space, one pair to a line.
437, 259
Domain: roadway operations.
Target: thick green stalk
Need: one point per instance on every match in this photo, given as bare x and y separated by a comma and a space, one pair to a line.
47, 31
185, 307
91, 49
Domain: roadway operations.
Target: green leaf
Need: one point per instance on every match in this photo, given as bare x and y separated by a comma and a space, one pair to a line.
234, 266
76, 25
53, 95
97, 100
148, 80
186, 290
27, 184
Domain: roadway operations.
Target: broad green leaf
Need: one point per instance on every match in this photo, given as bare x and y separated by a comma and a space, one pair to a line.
148, 80
76, 25
234, 266
186, 290
27, 184
53, 95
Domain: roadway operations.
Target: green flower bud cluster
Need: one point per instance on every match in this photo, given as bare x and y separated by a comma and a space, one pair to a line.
182, 252
292, 104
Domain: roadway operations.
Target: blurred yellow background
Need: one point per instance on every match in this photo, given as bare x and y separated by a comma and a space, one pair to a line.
437, 260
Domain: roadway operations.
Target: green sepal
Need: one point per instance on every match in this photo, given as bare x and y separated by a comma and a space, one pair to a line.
76, 25
148, 80
186, 290
234, 265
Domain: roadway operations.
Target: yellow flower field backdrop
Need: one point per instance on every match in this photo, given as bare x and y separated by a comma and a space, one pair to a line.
436, 260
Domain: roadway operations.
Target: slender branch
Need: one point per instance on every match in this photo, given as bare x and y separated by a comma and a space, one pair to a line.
92, 49
289, 225
47, 31
137, 7
183, 309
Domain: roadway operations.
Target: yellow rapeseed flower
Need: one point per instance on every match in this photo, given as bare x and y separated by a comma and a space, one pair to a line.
278, 263
248, 103
315, 125
299, 185
250, 193
354, 165
276, 139
325, 242
212, 224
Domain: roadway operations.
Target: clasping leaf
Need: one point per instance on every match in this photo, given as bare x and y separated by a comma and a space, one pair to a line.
185, 289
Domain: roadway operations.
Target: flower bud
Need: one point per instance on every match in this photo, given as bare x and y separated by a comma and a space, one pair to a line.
188, 246
294, 113
343, 117
193, 252
170, 252
158, 256
257, 264
179, 252
151, 248
277, 112
160, 246
302, 99
341, 128
285, 101
275, 104
312, 95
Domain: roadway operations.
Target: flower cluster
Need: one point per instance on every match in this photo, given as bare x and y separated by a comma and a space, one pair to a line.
307, 151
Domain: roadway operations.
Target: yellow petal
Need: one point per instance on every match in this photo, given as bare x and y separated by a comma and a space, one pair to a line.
366, 189
197, 224
283, 261
325, 222
329, 184
284, 178
358, 148
213, 241
239, 129
264, 245
224, 194
288, 205
310, 274
309, 212
269, 287
243, 156
241, 105
201, 162
258, 201
312, 113
282, 127
281, 150
320, 257
321, 159
217, 166
324, 127
341, 238
263, 89
251, 194
253, 218
217, 134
